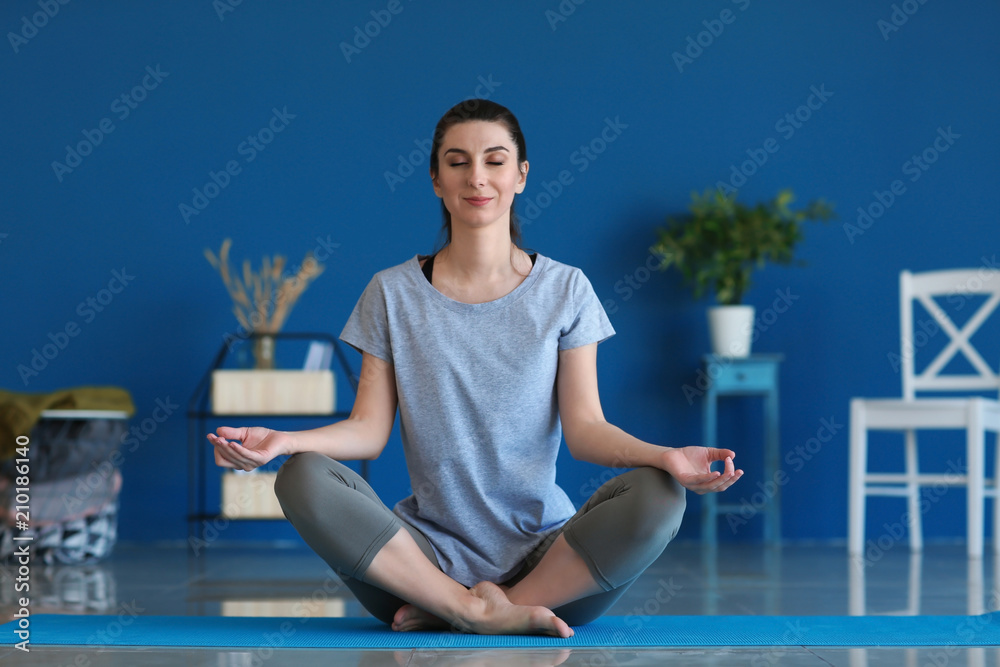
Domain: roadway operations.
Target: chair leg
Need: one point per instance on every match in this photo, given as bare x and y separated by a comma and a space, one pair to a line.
856, 602
975, 590
976, 441
913, 493
913, 590
856, 479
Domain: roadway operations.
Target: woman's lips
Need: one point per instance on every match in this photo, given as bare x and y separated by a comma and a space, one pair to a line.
479, 201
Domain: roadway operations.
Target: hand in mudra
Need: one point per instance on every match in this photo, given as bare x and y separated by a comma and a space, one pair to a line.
259, 445
692, 467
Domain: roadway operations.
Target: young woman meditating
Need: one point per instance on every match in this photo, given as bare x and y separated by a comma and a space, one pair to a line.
489, 354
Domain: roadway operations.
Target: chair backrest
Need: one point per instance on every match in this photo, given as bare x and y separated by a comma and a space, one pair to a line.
957, 287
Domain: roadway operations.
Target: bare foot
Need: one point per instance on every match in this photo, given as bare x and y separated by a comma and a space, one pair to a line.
499, 616
409, 618
490, 613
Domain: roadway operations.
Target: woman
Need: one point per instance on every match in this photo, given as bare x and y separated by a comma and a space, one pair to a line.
490, 356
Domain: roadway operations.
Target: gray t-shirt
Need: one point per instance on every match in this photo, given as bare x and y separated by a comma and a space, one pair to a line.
477, 405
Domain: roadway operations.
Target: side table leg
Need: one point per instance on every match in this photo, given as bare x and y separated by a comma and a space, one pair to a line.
709, 507
772, 464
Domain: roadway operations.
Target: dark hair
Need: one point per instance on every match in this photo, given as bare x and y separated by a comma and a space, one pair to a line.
470, 110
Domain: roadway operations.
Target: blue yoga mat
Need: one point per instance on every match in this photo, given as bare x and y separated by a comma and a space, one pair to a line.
610, 631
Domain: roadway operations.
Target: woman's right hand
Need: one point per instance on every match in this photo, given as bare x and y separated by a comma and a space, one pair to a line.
257, 446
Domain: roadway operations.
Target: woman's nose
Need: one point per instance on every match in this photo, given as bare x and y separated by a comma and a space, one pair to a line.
477, 176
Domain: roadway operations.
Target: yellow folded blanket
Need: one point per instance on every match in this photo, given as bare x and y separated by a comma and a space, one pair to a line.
19, 410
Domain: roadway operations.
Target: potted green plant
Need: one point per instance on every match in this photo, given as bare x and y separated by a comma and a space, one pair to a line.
718, 245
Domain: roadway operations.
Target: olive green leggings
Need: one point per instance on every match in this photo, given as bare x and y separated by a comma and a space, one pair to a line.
619, 532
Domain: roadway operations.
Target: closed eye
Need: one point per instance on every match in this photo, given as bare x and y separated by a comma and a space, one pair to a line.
462, 164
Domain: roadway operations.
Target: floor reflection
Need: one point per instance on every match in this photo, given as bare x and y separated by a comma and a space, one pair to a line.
979, 598
689, 579
60, 589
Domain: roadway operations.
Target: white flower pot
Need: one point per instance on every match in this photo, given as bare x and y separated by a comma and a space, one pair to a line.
731, 328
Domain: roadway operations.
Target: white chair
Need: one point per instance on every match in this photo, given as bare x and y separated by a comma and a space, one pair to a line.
976, 415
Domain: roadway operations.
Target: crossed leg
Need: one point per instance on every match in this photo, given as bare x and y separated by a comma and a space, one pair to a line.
603, 548
436, 600
581, 571
398, 580
379, 559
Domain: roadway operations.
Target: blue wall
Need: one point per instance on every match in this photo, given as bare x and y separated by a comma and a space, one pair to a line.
681, 125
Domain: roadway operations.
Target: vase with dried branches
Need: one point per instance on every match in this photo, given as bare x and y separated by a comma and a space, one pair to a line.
262, 300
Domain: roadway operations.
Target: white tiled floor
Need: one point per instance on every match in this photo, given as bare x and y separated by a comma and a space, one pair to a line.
735, 580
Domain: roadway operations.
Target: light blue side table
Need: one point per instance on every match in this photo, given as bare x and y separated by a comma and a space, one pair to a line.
756, 375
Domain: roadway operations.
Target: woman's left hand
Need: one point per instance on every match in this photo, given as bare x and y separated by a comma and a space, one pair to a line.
692, 467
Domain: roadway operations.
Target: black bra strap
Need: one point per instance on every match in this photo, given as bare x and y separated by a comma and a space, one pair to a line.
428, 267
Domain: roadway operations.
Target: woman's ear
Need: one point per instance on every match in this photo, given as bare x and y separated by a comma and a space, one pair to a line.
434, 183
521, 182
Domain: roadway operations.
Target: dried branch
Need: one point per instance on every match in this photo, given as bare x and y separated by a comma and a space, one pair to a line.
263, 301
